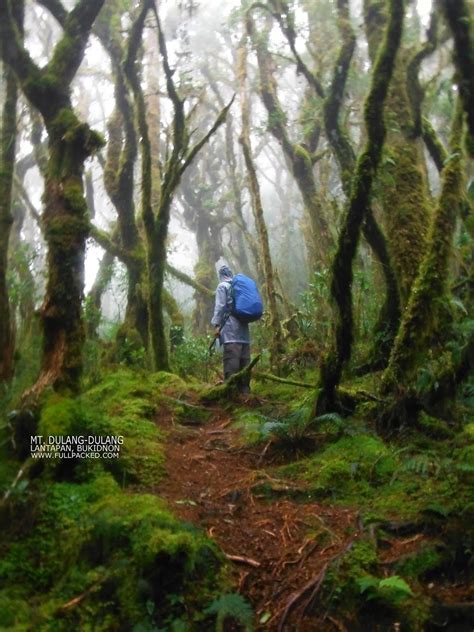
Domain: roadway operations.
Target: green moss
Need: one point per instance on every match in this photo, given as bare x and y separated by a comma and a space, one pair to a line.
60, 416
469, 431
434, 427
15, 609
350, 466
127, 403
340, 586
124, 405
123, 550
165, 380
415, 566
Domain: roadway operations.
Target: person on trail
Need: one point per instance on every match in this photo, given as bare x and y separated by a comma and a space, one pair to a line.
232, 333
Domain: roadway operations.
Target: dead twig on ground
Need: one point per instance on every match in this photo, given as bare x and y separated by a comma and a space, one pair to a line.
239, 559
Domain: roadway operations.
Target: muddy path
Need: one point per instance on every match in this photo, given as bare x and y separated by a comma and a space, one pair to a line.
279, 548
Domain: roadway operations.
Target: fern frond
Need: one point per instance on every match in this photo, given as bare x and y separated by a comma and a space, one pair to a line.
233, 606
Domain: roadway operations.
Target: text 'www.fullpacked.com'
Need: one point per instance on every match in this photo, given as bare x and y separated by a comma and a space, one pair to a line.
76, 446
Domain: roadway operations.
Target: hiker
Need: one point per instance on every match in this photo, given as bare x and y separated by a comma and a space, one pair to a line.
233, 334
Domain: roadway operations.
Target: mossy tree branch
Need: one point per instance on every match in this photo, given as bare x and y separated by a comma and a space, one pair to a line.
231, 387
184, 278
460, 21
415, 91
434, 145
366, 168
345, 156
317, 239
285, 19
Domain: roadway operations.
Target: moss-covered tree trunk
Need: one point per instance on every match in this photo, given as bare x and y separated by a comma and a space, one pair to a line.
461, 22
119, 170
7, 166
339, 140
156, 217
425, 315
65, 220
301, 159
237, 204
203, 218
403, 188
257, 206
366, 169
94, 297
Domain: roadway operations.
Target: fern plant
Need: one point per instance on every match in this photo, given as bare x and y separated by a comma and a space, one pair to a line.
424, 464
296, 426
232, 606
393, 590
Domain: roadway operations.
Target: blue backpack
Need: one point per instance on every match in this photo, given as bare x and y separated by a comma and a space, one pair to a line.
247, 305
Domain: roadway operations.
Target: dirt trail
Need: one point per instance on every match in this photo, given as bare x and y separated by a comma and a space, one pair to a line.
279, 548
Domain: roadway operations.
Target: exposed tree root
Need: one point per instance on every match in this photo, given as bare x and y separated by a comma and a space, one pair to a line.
273, 378
230, 388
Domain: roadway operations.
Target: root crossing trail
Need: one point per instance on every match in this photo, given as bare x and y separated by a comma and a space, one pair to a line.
279, 548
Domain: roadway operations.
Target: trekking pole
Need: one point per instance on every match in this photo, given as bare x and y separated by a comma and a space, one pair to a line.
208, 355
224, 320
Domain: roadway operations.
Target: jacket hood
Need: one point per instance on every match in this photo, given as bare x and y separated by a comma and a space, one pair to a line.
225, 273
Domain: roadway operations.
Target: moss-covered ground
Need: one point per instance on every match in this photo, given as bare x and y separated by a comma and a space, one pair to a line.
86, 544
413, 494
326, 523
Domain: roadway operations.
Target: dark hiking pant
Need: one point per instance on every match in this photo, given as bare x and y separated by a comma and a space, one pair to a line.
236, 357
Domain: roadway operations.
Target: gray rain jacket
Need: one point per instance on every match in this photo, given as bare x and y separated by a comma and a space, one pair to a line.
233, 330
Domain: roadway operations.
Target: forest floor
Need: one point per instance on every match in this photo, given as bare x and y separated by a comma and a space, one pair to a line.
280, 545
325, 525
216, 483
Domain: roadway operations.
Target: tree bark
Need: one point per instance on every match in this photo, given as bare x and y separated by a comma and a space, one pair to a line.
424, 318
65, 218
277, 338
403, 189
460, 20
366, 169
7, 166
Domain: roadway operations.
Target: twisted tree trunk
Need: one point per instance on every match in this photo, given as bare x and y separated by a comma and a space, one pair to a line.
366, 169
65, 218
